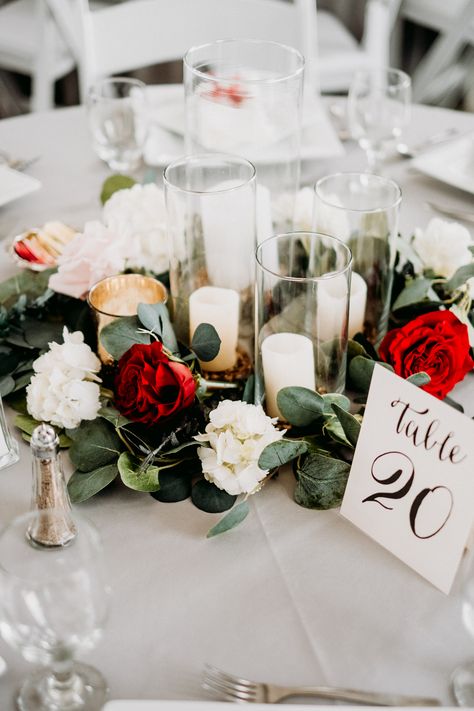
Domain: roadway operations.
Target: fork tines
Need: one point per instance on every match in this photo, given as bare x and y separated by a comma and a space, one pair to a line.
228, 686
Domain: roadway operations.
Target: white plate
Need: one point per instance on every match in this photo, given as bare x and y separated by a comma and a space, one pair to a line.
224, 706
166, 129
14, 184
452, 163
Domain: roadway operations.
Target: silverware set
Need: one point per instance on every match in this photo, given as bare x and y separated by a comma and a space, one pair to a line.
240, 690
16, 163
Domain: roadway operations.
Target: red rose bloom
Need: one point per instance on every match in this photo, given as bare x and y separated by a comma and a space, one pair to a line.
149, 386
436, 343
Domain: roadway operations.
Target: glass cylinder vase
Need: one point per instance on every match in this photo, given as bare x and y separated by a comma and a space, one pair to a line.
362, 210
245, 97
303, 290
210, 204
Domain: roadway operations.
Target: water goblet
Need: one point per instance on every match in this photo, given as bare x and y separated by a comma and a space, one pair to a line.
378, 109
462, 678
53, 604
117, 121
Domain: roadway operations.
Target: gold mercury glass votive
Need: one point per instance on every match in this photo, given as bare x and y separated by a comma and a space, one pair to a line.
117, 296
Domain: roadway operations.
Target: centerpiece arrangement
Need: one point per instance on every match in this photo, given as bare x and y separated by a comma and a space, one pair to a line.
131, 401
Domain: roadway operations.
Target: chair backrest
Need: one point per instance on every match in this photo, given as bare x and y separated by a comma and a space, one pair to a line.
137, 33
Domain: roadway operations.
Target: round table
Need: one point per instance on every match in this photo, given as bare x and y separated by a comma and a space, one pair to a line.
292, 596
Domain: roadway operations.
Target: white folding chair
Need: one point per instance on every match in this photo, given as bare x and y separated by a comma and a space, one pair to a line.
446, 67
31, 44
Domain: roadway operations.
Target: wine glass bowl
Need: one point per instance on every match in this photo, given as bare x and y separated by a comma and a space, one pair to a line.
53, 605
378, 109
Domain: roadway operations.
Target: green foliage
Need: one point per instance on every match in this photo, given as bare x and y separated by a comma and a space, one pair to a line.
175, 485
360, 373
120, 335
300, 406
135, 476
95, 444
281, 452
206, 342
321, 481
208, 497
155, 318
114, 183
84, 485
416, 290
230, 520
460, 277
419, 379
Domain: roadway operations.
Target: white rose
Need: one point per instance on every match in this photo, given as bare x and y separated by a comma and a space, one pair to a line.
443, 246
138, 215
235, 437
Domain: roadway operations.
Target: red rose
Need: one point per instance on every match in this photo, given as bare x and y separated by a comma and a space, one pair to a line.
436, 343
149, 386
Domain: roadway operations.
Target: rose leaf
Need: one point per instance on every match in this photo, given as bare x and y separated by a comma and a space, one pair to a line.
300, 406
120, 335
135, 477
206, 342
349, 424
416, 291
114, 183
419, 379
95, 444
155, 318
209, 498
460, 277
281, 452
174, 486
321, 481
82, 485
230, 520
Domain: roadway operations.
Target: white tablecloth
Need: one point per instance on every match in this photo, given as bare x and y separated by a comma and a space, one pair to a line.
291, 596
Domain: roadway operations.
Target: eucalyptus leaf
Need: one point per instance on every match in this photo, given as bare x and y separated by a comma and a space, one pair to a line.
460, 277
40, 334
26, 423
206, 342
95, 444
9, 362
333, 428
321, 481
120, 335
114, 417
249, 390
457, 406
209, 498
464, 318
230, 520
155, 318
280, 452
7, 385
419, 379
300, 406
354, 348
82, 485
174, 486
135, 477
32, 284
360, 372
349, 423
335, 399
415, 291
23, 380
114, 183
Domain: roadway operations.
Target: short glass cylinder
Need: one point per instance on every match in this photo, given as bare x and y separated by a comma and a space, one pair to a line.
303, 287
245, 97
120, 295
210, 203
362, 210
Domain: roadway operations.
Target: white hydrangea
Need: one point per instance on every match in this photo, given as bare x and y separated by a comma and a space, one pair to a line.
62, 390
235, 437
443, 246
138, 215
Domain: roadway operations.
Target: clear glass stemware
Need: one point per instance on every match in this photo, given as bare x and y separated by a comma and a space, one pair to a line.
378, 109
53, 604
462, 678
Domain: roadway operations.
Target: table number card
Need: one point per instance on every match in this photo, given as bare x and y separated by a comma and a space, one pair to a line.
411, 485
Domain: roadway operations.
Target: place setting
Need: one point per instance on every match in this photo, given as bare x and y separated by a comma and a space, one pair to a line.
217, 329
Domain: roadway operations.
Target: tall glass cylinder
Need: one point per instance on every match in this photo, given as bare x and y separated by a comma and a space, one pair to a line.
362, 210
245, 97
210, 203
303, 289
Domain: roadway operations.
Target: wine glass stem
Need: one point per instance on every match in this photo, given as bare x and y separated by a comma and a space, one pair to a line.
374, 160
63, 683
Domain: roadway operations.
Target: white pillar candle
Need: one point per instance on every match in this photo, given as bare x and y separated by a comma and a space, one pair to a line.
288, 360
220, 308
332, 306
357, 304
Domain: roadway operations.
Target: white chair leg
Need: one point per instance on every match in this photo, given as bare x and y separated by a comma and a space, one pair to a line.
42, 80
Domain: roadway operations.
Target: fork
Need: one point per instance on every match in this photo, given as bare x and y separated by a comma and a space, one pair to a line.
236, 689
